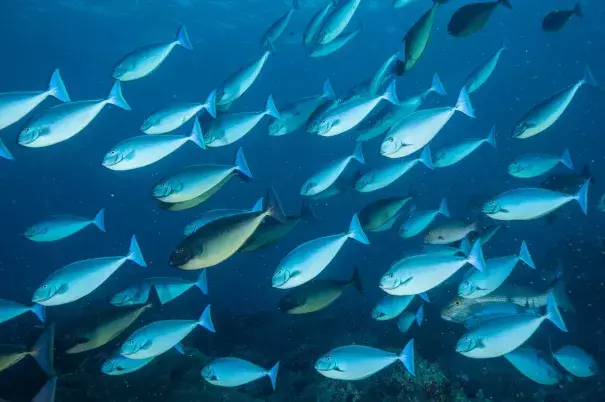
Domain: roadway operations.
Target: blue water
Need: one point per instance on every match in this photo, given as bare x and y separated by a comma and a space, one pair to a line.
86, 38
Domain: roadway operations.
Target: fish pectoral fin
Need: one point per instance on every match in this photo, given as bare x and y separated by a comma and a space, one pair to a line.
480, 344
505, 211
147, 344
407, 280
179, 187
119, 368
129, 155
294, 273
338, 369
63, 289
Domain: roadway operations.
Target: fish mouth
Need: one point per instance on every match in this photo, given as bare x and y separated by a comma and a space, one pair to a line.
447, 318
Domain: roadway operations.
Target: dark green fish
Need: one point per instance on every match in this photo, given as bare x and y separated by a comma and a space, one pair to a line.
380, 215
472, 17
556, 20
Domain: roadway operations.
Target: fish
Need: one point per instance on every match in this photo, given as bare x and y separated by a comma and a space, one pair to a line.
452, 154
169, 119
160, 336
479, 284
16, 105
487, 311
381, 177
378, 123
567, 182
166, 289
108, 328
534, 165
215, 214
198, 180
323, 50
532, 203
47, 392
417, 129
145, 150
502, 335
482, 73
383, 75
61, 122
329, 174
181, 206
295, 115
42, 352
547, 112
120, 365
381, 215
145, 60
233, 372
357, 362
576, 361
450, 232
317, 295
471, 18
390, 307
406, 319
60, 227
312, 124
556, 20
309, 259
341, 186
421, 273
420, 220
272, 231
78, 279
276, 29
532, 365
10, 310
229, 128
218, 240
316, 22
336, 22
349, 114
239, 82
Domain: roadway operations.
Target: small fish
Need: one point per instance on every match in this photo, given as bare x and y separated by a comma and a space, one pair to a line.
358, 362
406, 319
337, 21
16, 105
532, 203
532, 365
479, 284
452, 154
120, 365
47, 392
278, 27
315, 23
556, 20
421, 273
233, 372
317, 295
10, 310
60, 227
450, 232
420, 220
309, 259
384, 176
79, 279
576, 361
215, 214
238, 83
61, 122
416, 39
229, 128
329, 174
384, 75
471, 18
487, 311
323, 50
382, 214
419, 128
147, 59
502, 335
534, 165
160, 336
144, 150
480, 75
390, 307
173, 117
546, 113
42, 352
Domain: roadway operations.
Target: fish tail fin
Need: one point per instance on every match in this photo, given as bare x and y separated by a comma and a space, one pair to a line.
491, 138
206, 320
99, 220
306, 213
242, 165
44, 350
328, 91
426, 158
4, 152
589, 78
210, 103
271, 110
196, 136
566, 160
272, 374
437, 86
134, 253
504, 45
560, 293
56, 87
401, 53
390, 94
424, 296
356, 280
258, 206
420, 315
463, 104
273, 206
465, 247
525, 256
358, 154
506, 3
202, 282
407, 357
582, 196
475, 258
182, 38
295, 5
578, 10
553, 313
47, 392
443, 210
40, 312
179, 348
117, 98
356, 232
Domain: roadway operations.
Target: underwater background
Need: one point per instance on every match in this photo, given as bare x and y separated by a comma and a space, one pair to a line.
85, 38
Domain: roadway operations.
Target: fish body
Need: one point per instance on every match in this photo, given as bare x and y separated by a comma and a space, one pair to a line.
386, 73
532, 365
327, 176
315, 23
314, 120
337, 21
450, 232
120, 365
276, 29
390, 307
420, 220
327, 49
487, 311
10, 310
215, 214
416, 39
173, 117
557, 19
238, 83
452, 154
484, 71
233, 372
471, 18
576, 361
406, 319
534, 165
60, 227
381, 214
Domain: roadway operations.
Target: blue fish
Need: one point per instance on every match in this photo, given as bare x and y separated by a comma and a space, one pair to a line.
60, 227
233, 372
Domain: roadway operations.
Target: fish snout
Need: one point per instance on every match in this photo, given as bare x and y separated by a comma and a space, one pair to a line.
180, 256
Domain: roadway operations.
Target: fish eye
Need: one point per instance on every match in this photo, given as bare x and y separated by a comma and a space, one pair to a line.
112, 152
280, 272
440, 237
328, 358
457, 302
131, 341
391, 139
466, 338
391, 276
